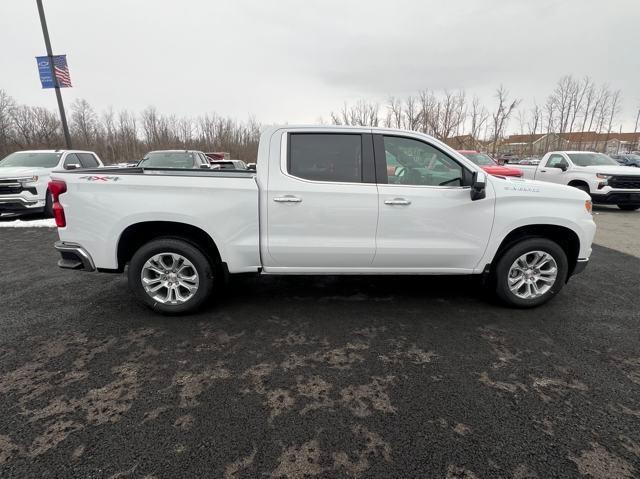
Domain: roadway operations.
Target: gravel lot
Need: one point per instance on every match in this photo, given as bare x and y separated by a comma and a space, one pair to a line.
320, 377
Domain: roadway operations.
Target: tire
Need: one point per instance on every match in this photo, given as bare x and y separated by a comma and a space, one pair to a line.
628, 207
531, 247
173, 264
48, 205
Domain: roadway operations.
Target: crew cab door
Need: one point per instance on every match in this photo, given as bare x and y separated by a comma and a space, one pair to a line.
553, 170
427, 220
322, 202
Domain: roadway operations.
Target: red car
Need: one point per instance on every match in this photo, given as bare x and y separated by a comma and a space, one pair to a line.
489, 165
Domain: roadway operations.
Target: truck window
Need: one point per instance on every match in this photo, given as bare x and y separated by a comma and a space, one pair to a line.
87, 160
71, 159
412, 162
326, 157
556, 161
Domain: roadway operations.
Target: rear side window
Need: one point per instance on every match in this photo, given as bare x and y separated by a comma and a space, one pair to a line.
326, 157
87, 160
71, 159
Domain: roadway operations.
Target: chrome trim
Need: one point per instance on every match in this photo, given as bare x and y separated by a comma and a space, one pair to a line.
79, 251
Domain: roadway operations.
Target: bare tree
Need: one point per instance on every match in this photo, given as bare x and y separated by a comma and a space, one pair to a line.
502, 115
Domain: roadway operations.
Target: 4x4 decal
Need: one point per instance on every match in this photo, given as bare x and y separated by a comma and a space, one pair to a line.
100, 178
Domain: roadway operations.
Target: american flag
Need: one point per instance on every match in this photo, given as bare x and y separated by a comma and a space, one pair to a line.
61, 71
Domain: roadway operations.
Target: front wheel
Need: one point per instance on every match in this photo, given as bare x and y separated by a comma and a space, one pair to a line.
531, 272
628, 207
171, 276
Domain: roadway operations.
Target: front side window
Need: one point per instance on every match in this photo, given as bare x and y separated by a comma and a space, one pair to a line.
326, 157
35, 160
591, 159
87, 160
412, 162
70, 160
557, 161
480, 159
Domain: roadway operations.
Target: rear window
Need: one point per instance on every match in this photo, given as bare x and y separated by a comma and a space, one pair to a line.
169, 159
326, 157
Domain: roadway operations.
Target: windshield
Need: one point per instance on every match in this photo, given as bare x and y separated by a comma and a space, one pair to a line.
591, 159
480, 159
35, 160
169, 159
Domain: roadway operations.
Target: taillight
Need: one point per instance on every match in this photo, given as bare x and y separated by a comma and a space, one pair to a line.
56, 188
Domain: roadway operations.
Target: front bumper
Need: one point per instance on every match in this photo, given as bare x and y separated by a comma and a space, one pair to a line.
74, 256
616, 197
17, 204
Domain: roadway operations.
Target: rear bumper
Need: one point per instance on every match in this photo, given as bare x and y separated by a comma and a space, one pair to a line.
74, 256
617, 198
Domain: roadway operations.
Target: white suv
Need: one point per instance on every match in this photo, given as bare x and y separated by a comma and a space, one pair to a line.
24, 176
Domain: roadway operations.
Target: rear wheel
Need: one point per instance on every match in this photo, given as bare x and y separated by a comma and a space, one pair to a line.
628, 207
171, 276
531, 272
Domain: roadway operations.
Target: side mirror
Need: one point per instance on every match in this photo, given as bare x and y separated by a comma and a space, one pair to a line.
72, 166
205, 166
251, 166
478, 186
563, 166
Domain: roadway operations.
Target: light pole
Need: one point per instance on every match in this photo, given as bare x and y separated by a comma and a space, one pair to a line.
47, 42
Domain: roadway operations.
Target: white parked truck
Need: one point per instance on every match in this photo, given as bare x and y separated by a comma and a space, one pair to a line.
603, 178
24, 177
324, 200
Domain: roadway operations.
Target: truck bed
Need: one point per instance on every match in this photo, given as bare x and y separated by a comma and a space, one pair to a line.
100, 204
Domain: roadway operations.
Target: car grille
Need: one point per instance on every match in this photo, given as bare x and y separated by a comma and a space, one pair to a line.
9, 186
625, 182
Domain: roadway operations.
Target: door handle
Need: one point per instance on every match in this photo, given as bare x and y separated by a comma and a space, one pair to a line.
543, 171
397, 201
287, 199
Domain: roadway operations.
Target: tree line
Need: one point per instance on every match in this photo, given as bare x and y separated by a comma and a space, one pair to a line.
120, 136
573, 105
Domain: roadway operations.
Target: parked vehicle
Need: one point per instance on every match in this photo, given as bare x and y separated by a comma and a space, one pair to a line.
326, 200
182, 159
24, 176
507, 158
603, 178
485, 162
528, 161
228, 165
627, 159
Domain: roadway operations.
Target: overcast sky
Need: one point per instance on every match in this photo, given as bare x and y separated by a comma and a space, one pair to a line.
295, 61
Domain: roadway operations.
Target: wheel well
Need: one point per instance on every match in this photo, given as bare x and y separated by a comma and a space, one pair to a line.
136, 235
566, 238
576, 183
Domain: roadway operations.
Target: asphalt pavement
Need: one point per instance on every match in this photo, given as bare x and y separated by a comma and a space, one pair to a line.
316, 377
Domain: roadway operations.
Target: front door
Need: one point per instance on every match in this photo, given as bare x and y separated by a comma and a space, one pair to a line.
322, 208
553, 170
427, 220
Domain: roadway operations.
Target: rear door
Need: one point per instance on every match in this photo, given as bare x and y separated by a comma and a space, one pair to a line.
427, 220
322, 206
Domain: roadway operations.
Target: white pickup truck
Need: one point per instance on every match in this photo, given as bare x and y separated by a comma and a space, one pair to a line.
324, 200
24, 176
597, 174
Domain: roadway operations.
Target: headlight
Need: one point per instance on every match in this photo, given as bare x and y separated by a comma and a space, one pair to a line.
602, 176
30, 179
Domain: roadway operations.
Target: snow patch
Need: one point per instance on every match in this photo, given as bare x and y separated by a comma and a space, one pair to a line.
47, 223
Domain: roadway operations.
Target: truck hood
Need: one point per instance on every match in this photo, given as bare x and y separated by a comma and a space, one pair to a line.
611, 170
511, 186
20, 171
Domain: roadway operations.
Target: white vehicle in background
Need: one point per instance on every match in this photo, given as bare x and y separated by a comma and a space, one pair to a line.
597, 174
24, 176
325, 200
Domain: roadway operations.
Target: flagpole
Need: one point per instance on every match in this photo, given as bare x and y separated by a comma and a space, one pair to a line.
47, 42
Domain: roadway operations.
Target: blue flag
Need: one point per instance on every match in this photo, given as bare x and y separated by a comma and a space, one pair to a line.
56, 74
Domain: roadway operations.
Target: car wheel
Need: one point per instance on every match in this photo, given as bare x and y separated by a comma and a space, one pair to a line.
531, 272
628, 207
171, 276
48, 205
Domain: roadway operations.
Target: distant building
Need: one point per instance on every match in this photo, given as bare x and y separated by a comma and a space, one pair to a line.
539, 144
